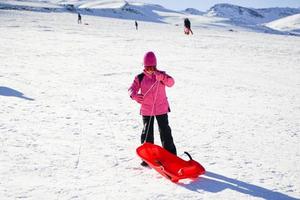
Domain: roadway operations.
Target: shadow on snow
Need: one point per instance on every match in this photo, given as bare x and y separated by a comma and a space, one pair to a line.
212, 182
5, 91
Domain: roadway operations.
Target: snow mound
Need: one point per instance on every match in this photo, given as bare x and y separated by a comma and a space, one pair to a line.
272, 14
290, 23
125, 10
234, 12
249, 15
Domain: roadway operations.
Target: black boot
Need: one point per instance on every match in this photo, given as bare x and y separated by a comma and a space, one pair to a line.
144, 164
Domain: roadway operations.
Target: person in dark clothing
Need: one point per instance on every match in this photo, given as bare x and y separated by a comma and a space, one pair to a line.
187, 27
79, 18
136, 25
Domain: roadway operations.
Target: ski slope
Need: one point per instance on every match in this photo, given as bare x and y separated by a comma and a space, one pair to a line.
68, 129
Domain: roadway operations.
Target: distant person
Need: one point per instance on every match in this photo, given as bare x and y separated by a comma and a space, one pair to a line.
187, 27
136, 25
79, 18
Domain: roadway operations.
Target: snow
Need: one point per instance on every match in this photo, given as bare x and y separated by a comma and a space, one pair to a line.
100, 4
193, 11
250, 15
223, 15
36, 4
68, 129
255, 19
290, 23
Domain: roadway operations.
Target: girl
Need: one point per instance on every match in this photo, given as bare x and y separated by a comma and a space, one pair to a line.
148, 89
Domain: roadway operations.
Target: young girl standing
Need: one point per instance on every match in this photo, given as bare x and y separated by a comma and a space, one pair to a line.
149, 90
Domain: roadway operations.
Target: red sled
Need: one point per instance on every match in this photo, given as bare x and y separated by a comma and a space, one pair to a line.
168, 164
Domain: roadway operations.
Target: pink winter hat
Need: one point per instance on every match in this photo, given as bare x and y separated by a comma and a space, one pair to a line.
150, 59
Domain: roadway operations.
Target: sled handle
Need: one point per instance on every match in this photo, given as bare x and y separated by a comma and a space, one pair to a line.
188, 155
163, 170
159, 163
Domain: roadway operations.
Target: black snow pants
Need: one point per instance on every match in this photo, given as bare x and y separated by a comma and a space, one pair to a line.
164, 130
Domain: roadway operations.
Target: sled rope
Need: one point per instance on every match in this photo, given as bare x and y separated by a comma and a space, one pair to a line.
152, 110
150, 88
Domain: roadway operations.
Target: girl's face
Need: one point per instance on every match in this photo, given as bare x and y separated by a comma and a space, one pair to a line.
150, 69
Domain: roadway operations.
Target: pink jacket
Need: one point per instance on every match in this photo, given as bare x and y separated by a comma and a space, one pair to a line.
150, 92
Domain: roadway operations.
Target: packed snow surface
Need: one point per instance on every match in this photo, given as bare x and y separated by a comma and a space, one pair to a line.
68, 129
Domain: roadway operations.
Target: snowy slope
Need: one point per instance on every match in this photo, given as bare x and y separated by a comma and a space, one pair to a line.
193, 11
98, 4
235, 13
68, 129
249, 18
224, 16
30, 5
290, 24
106, 8
250, 15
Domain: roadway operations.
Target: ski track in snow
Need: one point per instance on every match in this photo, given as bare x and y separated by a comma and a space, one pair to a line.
68, 129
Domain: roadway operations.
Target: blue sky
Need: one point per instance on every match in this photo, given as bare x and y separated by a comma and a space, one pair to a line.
204, 5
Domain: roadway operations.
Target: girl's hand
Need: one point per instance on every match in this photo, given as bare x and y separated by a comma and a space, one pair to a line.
138, 98
160, 76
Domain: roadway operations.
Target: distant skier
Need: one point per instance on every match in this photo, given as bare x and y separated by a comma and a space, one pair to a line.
148, 89
136, 25
187, 27
79, 18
